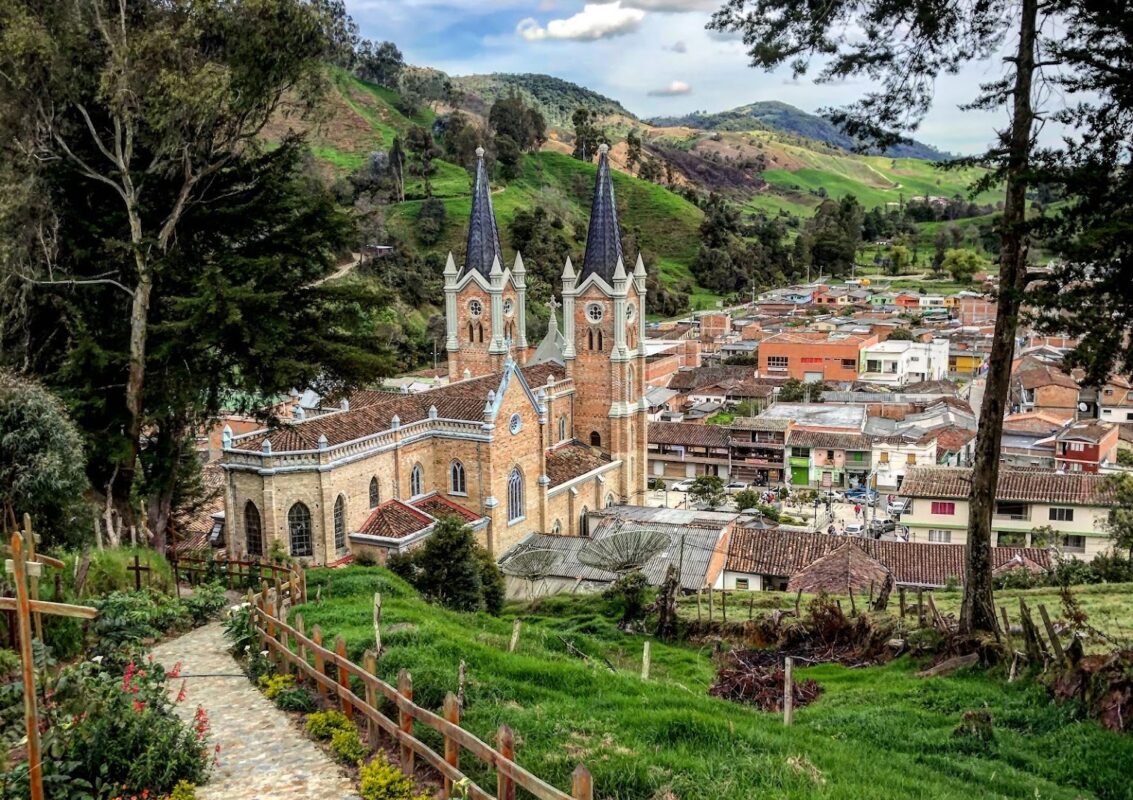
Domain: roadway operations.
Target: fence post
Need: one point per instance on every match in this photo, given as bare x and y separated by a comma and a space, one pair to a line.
1007, 630
505, 744
370, 664
581, 784
300, 648
320, 665
378, 624
343, 676
788, 691
404, 719
724, 604
710, 603
646, 657
452, 747
303, 582
514, 636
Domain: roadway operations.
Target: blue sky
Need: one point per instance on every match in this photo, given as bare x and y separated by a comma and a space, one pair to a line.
654, 56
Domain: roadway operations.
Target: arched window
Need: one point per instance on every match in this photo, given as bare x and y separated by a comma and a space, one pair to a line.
480, 332
375, 493
299, 528
515, 508
471, 333
456, 478
253, 532
562, 428
340, 524
584, 522
599, 341
609, 500
557, 528
416, 481
595, 439
590, 345
629, 383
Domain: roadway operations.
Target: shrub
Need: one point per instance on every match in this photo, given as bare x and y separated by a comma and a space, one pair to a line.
492, 586
323, 724
630, 591
380, 780
273, 685
9, 663
239, 631
183, 791
453, 570
347, 746
206, 602
295, 699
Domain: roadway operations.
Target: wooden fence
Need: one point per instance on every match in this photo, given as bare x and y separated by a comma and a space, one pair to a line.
332, 672
242, 574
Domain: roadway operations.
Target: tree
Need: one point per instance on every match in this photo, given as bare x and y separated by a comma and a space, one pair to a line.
939, 247
147, 108
431, 221
447, 569
746, 499
41, 464
902, 48
493, 589
587, 135
508, 156
379, 63
962, 264
1119, 523
419, 142
525, 126
633, 149
397, 168
899, 259
708, 490
630, 591
901, 335
792, 391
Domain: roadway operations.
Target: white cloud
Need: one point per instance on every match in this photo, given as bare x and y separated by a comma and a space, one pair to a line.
673, 6
672, 90
594, 21
678, 47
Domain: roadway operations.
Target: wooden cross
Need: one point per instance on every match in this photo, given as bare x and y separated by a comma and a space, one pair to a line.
137, 569
23, 567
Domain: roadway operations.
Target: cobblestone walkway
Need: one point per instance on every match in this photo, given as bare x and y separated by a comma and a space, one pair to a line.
262, 755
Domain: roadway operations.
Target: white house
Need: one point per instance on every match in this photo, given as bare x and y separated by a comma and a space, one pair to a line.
901, 362
893, 456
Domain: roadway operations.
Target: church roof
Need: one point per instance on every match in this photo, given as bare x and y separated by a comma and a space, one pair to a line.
550, 350
573, 460
483, 245
394, 519
604, 238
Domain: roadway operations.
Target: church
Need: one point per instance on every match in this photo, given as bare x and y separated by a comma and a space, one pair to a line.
523, 439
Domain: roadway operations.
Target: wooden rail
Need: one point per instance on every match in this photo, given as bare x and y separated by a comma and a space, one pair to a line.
332, 672
242, 573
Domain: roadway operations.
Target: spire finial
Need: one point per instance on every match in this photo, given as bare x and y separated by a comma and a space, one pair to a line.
480, 153
603, 149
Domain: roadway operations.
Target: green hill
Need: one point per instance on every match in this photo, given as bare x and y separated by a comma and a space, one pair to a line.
555, 98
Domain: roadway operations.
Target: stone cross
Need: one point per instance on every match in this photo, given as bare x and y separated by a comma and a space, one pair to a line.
553, 304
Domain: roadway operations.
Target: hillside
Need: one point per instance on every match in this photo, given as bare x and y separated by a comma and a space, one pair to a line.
555, 98
773, 115
873, 732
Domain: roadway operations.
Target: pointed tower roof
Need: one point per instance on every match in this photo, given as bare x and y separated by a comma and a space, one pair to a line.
483, 236
551, 348
604, 239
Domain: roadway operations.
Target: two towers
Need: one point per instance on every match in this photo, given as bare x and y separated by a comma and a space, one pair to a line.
603, 324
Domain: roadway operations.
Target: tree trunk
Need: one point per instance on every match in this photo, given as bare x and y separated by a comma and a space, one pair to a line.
977, 613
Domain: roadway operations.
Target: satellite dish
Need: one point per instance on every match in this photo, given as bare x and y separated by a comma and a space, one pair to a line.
532, 564
625, 550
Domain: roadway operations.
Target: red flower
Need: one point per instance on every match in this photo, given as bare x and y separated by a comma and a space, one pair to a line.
138, 706
175, 672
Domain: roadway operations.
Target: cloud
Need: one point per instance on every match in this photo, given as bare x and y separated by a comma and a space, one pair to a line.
672, 90
678, 47
594, 21
673, 6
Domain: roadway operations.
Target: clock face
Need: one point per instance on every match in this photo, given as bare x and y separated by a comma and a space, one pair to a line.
475, 308
515, 424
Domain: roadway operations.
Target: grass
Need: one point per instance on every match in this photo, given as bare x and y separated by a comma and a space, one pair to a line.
876, 732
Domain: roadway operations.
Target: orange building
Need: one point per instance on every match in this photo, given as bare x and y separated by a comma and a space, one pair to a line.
812, 356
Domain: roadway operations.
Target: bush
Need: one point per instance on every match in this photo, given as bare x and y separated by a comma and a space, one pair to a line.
108, 570
206, 602
380, 780
492, 586
136, 617
453, 570
630, 590
347, 746
239, 631
323, 724
9, 663
183, 791
295, 699
274, 685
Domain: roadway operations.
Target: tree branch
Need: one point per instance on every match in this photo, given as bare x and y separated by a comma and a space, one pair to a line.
77, 282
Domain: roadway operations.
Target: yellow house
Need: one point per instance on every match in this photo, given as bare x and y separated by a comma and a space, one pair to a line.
965, 362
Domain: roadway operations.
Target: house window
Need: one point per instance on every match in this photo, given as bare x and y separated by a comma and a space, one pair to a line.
456, 479
742, 584
872, 366
600, 346
849, 363
515, 510
777, 362
375, 493
340, 524
800, 452
253, 533
1077, 447
1073, 544
947, 509
911, 458
940, 537
416, 480
584, 522
508, 307
299, 528
1011, 510
562, 428
1061, 515
884, 459
858, 456
829, 455
471, 333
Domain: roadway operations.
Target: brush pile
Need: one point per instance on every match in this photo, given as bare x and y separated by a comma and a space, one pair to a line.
1103, 684
749, 679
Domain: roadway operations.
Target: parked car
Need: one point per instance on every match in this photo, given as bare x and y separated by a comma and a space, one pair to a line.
855, 529
897, 507
879, 527
735, 486
682, 486
862, 496
831, 495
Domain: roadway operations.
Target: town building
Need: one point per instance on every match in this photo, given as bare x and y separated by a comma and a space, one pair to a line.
1030, 506
901, 362
512, 444
812, 356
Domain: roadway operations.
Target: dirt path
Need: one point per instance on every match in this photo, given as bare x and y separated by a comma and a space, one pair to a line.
262, 755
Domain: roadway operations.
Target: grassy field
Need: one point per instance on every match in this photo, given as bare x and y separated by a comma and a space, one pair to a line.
876, 732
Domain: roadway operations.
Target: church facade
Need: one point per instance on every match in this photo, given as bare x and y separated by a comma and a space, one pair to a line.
523, 439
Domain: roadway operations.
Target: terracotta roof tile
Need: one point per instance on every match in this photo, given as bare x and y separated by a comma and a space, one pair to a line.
687, 380
688, 433
192, 528
801, 437
436, 506
571, 460
394, 519
1080, 488
784, 553
846, 569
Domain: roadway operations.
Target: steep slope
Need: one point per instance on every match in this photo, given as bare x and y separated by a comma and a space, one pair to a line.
777, 116
555, 98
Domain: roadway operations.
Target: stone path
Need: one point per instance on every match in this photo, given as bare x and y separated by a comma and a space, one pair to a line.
262, 755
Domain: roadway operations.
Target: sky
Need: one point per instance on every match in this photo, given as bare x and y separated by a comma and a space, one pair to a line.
653, 56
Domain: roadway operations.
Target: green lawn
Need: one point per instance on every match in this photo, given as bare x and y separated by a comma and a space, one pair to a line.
876, 732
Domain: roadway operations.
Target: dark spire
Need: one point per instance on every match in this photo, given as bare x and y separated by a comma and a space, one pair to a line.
483, 237
604, 239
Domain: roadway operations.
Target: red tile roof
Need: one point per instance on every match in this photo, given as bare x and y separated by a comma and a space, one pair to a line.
436, 506
394, 519
1034, 485
688, 379
950, 438
571, 460
784, 553
829, 440
688, 433
192, 528
375, 411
